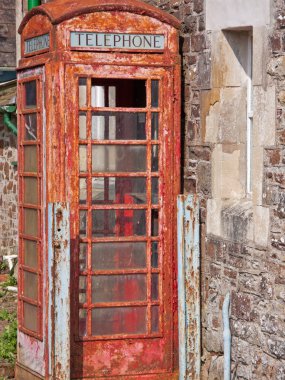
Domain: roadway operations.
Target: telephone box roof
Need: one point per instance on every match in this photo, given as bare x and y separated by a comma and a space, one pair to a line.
61, 10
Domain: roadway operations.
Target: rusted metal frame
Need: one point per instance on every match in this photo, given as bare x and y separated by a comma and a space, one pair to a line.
23, 205
166, 196
59, 289
31, 270
118, 238
181, 287
119, 271
117, 337
119, 142
122, 109
89, 203
31, 302
119, 304
127, 336
189, 287
123, 206
176, 120
161, 174
119, 174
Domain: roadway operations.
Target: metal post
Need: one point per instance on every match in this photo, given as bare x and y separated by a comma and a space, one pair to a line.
59, 290
189, 287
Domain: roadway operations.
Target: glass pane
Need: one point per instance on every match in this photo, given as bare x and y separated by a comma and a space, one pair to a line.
82, 322
82, 126
111, 256
30, 222
118, 158
154, 222
154, 190
119, 288
82, 256
119, 320
112, 96
82, 190
82, 289
154, 158
154, 254
31, 285
82, 95
30, 159
155, 319
82, 223
97, 95
154, 287
31, 126
154, 93
30, 94
31, 190
118, 126
83, 158
30, 317
30, 253
123, 190
154, 125
118, 223
118, 93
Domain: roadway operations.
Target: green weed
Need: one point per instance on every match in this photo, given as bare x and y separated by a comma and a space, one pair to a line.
11, 281
8, 338
3, 268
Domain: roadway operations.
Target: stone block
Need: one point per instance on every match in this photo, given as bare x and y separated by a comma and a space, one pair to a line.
259, 56
214, 341
237, 13
237, 222
214, 217
264, 116
232, 116
261, 220
257, 175
240, 306
204, 70
204, 178
232, 175
276, 347
229, 59
249, 282
210, 111
216, 370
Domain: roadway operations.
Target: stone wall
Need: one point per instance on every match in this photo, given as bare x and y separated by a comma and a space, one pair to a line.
8, 191
242, 234
7, 33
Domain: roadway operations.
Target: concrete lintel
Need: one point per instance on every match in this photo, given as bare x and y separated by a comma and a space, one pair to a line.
221, 14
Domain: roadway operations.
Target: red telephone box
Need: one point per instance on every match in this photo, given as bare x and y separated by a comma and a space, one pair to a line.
99, 129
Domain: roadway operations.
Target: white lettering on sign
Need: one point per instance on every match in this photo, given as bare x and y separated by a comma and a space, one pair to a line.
36, 44
117, 40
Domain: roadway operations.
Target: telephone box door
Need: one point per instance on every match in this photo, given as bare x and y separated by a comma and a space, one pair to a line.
120, 173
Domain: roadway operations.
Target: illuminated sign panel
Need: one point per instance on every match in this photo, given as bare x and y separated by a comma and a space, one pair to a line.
117, 40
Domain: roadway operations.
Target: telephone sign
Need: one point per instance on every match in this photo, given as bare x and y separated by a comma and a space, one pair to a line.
117, 40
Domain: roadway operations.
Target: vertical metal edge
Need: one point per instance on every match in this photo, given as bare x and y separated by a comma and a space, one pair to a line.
181, 287
192, 287
59, 291
50, 285
61, 246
